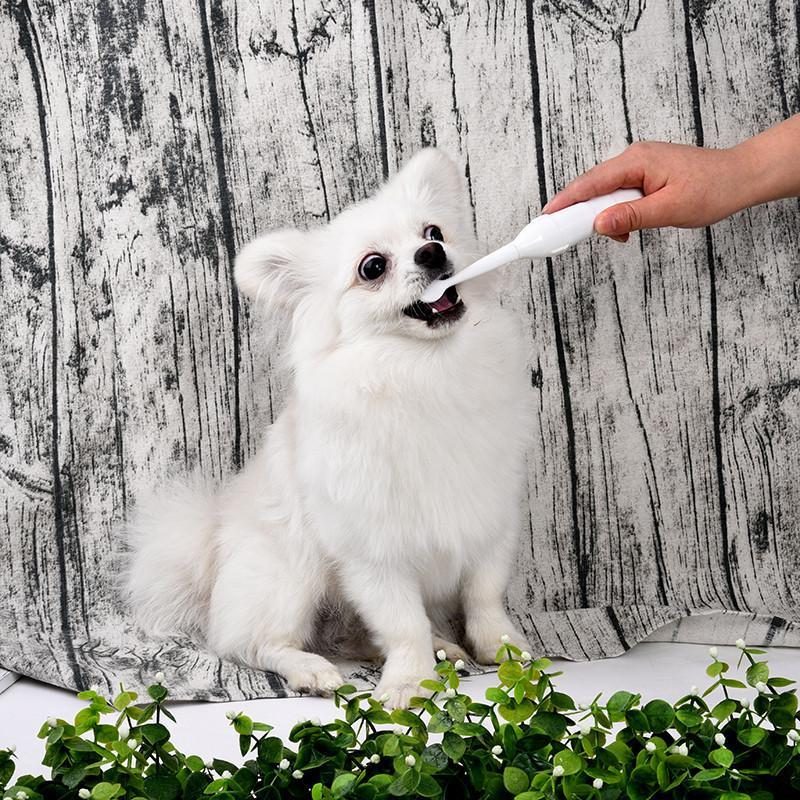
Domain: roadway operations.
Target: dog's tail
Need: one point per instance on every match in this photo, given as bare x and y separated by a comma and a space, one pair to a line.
169, 558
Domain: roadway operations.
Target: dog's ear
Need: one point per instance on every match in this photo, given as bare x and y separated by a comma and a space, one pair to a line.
433, 180
276, 268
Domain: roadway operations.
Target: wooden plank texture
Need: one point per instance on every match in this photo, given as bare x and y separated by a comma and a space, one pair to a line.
144, 141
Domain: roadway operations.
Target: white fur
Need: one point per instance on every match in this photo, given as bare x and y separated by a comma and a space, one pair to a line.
391, 480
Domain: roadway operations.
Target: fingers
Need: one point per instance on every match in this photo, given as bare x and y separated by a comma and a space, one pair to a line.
653, 211
621, 172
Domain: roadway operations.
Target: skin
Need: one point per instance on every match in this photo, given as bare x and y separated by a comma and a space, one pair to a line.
690, 187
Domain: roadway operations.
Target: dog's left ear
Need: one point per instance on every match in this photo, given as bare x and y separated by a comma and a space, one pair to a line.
277, 268
433, 180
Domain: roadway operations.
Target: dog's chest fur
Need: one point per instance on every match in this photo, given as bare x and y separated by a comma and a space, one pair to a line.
416, 455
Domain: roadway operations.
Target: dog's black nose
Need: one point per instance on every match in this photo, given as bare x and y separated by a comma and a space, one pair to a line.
431, 256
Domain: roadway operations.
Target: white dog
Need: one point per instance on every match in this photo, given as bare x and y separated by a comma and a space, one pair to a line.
390, 482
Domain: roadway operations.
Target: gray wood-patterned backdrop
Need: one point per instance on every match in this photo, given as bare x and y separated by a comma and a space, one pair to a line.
143, 141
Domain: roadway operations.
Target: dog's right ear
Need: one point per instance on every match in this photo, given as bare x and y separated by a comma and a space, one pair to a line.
276, 268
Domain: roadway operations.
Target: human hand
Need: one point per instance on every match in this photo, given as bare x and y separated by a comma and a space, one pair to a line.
684, 187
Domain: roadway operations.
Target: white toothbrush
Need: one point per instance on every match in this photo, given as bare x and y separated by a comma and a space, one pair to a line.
547, 235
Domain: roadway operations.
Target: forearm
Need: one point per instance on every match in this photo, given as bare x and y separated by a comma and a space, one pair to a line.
769, 164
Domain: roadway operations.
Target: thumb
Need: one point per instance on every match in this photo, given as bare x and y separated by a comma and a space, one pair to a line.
649, 212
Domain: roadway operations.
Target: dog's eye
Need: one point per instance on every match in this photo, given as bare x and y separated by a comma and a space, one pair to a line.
372, 267
433, 233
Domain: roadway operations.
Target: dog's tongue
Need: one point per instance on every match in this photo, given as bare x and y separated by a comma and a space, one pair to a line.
442, 304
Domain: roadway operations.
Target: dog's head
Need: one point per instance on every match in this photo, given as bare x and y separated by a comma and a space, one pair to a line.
365, 271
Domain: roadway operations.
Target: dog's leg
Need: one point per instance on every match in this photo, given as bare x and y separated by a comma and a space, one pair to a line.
262, 612
391, 606
486, 618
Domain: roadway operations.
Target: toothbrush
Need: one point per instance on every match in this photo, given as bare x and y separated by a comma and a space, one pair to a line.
545, 236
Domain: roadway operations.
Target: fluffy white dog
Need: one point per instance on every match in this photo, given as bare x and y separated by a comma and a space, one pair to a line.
391, 481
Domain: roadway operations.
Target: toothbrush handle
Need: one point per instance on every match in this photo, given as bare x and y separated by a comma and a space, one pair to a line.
576, 223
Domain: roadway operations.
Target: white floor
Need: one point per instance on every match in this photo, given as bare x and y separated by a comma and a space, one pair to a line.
653, 669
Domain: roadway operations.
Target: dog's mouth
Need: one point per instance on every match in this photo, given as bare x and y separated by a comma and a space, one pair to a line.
448, 308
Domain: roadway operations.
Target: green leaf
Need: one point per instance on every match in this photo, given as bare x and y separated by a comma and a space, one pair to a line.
721, 757
619, 703
153, 732
270, 750
343, 784
432, 686
571, 762
553, 725
405, 784
157, 692
496, 695
757, 673
515, 780
405, 718
750, 737
106, 791
509, 672
454, 746
435, 756
688, 717
517, 712
161, 787
723, 709
659, 714
243, 725
456, 707
440, 722
708, 775
427, 787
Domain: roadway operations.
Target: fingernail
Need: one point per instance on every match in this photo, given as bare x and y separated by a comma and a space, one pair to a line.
545, 207
607, 224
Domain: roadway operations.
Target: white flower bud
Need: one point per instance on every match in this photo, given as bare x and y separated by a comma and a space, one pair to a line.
284, 764
12, 748
597, 783
375, 758
232, 714
650, 747
713, 652
558, 771
52, 722
94, 688
525, 655
719, 738
441, 655
497, 750
398, 729
505, 638
583, 706
208, 763
450, 692
694, 691
762, 687
793, 736
159, 677
297, 774
683, 749
226, 774
124, 729
82, 793
20, 795
585, 727
410, 760
740, 644
746, 703
384, 697
131, 743
459, 664
315, 721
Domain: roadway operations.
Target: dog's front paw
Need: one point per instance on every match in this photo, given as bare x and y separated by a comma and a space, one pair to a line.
398, 693
313, 674
485, 644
